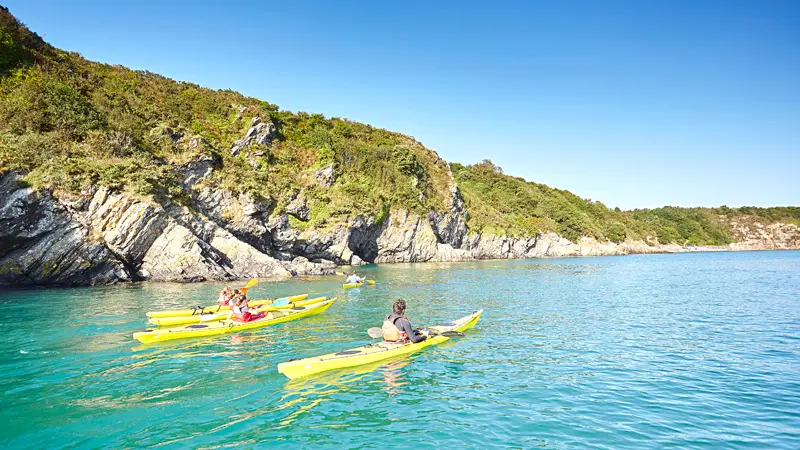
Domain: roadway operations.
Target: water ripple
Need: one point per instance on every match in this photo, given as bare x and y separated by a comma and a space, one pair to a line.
696, 350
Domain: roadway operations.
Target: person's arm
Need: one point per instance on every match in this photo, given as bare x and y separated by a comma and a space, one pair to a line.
405, 326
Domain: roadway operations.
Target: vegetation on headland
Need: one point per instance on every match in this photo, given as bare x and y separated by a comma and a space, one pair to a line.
504, 204
67, 122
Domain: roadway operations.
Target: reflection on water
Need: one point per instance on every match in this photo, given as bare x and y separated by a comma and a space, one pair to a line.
393, 376
652, 351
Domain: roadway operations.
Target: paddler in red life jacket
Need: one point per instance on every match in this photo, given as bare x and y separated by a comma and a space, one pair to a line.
397, 328
242, 311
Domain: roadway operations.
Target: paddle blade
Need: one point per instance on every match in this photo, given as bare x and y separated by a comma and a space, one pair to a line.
375, 333
249, 284
451, 334
372, 282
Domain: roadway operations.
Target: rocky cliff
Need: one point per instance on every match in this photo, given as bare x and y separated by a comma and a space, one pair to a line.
110, 175
103, 237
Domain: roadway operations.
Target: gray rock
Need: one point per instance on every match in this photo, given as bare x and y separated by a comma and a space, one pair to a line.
245, 217
40, 243
451, 227
127, 227
299, 208
302, 266
406, 237
198, 169
331, 244
283, 236
325, 176
178, 255
262, 133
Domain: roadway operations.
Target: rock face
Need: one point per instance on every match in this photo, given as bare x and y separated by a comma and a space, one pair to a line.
104, 237
40, 243
758, 236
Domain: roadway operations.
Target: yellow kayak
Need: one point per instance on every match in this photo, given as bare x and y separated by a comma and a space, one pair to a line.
372, 352
213, 317
230, 326
216, 308
355, 285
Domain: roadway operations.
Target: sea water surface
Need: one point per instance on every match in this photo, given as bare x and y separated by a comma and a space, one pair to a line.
682, 351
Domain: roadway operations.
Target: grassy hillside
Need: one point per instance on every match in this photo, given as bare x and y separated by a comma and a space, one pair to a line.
510, 205
67, 122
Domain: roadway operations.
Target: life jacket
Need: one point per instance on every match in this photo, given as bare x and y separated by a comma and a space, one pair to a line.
240, 311
390, 331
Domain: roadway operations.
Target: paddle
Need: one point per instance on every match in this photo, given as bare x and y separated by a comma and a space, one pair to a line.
377, 333
249, 284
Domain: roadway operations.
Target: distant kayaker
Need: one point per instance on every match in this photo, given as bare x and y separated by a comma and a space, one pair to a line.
354, 278
225, 296
396, 328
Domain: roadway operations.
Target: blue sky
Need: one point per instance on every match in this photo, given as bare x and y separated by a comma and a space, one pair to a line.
635, 104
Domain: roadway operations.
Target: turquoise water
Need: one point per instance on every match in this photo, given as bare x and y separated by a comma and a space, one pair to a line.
690, 350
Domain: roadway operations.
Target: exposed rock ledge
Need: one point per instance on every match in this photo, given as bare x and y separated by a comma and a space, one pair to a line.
103, 237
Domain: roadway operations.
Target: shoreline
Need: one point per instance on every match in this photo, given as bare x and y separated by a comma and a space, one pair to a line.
700, 249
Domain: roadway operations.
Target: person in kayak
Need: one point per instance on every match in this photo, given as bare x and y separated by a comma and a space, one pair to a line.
242, 311
354, 278
396, 328
225, 296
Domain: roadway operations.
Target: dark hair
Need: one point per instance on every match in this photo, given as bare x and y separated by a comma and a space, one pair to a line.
399, 307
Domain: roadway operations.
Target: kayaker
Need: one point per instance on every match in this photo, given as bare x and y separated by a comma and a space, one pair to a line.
243, 311
225, 296
396, 328
354, 278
